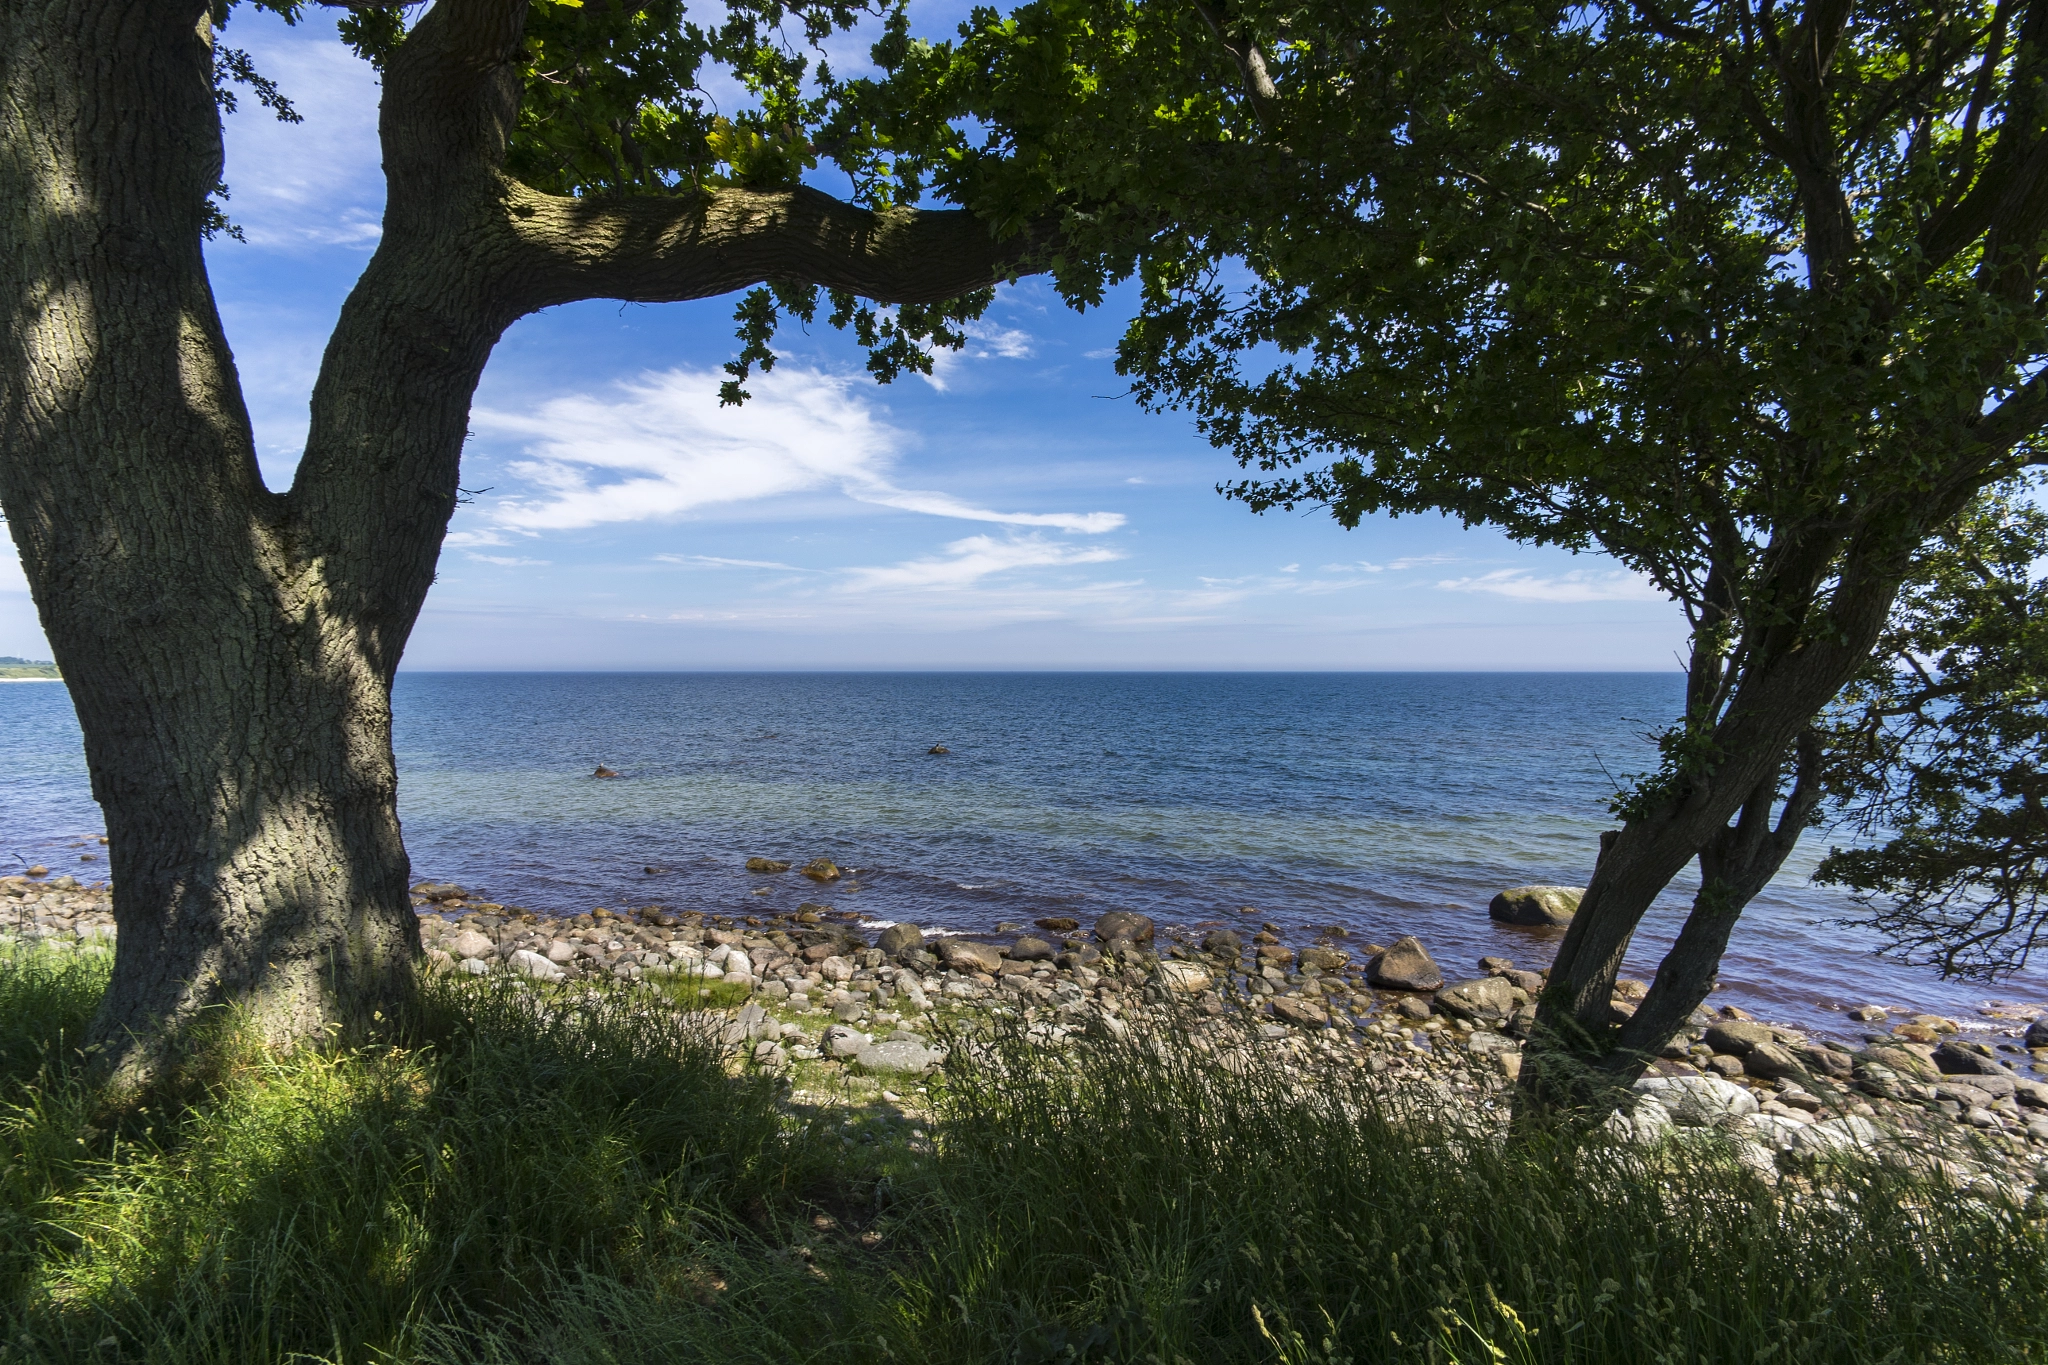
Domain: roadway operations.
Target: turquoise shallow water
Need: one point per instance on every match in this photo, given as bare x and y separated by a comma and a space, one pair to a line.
1387, 803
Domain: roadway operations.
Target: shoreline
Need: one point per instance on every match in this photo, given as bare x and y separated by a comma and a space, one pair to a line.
818, 997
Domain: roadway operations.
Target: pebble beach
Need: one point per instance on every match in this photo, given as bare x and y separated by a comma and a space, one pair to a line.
847, 1009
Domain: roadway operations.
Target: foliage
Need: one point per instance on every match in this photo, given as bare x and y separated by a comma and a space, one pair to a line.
613, 104
1942, 753
1744, 295
534, 1177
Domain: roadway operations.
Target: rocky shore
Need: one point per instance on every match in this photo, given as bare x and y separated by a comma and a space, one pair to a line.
815, 993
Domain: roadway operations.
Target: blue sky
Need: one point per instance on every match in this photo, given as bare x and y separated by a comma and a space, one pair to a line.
1012, 512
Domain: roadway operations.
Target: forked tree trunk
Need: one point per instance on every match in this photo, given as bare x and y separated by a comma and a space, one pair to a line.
230, 650
237, 724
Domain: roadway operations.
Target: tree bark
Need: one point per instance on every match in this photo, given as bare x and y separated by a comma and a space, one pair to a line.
230, 650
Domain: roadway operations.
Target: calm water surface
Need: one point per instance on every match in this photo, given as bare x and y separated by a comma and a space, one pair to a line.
1386, 803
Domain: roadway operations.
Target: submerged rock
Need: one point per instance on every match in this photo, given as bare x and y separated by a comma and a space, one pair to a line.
1536, 905
767, 865
821, 870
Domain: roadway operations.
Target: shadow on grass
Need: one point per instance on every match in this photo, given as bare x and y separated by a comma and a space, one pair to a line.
527, 1175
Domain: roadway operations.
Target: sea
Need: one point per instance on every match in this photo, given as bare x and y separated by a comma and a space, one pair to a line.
1368, 804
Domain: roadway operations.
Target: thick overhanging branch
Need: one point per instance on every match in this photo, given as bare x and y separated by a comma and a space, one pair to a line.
671, 249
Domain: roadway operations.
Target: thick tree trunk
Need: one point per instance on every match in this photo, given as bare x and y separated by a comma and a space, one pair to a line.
237, 734
230, 650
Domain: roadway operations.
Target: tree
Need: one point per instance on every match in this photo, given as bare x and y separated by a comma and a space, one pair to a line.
229, 648
1940, 754
1747, 295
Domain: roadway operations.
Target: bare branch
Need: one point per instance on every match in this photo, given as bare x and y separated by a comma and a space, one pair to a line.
668, 249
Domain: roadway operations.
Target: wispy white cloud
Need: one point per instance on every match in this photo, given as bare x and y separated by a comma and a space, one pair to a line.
985, 341
1416, 562
716, 562
315, 183
968, 561
1580, 585
660, 447
508, 561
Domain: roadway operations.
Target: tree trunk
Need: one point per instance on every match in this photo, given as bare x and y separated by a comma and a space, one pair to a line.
230, 650
237, 735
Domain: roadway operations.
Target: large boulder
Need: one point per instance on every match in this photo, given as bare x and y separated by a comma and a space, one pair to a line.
897, 1054
1184, 977
1772, 1062
843, 1040
898, 939
1489, 1000
1737, 1037
469, 943
1224, 943
965, 955
1534, 905
1699, 1101
1299, 1012
1903, 1061
1030, 949
2037, 1033
1966, 1059
529, 963
1405, 965
1125, 924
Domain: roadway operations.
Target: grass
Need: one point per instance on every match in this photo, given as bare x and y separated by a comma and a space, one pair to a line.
520, 1177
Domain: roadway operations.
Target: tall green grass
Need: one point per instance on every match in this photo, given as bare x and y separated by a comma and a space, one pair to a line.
526, 1176
1138, 1202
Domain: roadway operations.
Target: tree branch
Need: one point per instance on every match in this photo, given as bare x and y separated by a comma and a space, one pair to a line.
669, 249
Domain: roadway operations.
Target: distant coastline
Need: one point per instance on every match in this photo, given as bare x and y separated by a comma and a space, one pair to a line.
29, 670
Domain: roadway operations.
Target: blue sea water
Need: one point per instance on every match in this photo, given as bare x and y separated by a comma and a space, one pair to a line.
1383, 803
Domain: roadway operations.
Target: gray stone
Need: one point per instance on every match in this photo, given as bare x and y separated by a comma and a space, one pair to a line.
965, 955
440, 891
1185, 977
1772, 1062
1485, 1000
1124, 924
770, 1055
1029, 949
469, 943
1698, 1101
1646, 1122
529, 963
560, 951
473, 966
898, 1054
2037, 1033
1979, 1087
1841, 1135
1404, 966
1299, 1012
1774, 1131
1737, 1037
842, 1040
1535, 905
898, 939
1223, 942
1966, 1059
